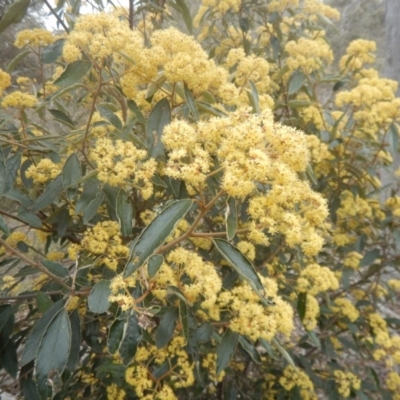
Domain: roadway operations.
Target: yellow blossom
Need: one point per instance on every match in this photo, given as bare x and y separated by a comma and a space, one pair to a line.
19, 100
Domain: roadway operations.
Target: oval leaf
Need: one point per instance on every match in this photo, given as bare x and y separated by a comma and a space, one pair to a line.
154, 264
98, 298
55, 268
73, 73
72, 171
124, 212
166, 328
226, 350
296, 82
115, 335
231, 218
131, 340
240, 263
155, 234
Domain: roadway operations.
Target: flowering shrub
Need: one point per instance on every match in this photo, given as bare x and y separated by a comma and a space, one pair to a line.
199, 216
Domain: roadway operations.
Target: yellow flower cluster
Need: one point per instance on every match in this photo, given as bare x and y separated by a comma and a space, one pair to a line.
280, 6
104, 242
43, 171
352, 260
34, 37
312, 313
223, 5
346, 309
204, 286
312, 8
181, 373
5, 80
8, 282
394, 204
293, 377
115, 393
251, 318
358, 53
19, 100
315, 279
353, 209
308, 55
394, 284
346, 381
121, 164
393, 384
100, 35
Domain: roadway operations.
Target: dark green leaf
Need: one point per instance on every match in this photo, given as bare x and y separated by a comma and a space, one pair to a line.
241, 264
226, 350
4, 227
14, 14
110, 117
166, 327
91, 210
55, 268
90, 191
54, 350
158, 119
9, 172
62, 117
202, 334
154, 264
63, 222
135, 109
29, 389
115, 336
298, 103
296, 82
131, 340
73, 73
155, 234
231, 218
210, 109
302, 305
52, 52
30, 219
43, 301
184, 318
98, 298
191, 103
124, 210
187, 18
250, 349
17, 59
5, 312
393, 134
75, 341
9, 359
370, 257
49, 196
35, 338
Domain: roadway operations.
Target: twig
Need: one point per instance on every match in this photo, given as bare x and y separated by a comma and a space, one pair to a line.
56, 15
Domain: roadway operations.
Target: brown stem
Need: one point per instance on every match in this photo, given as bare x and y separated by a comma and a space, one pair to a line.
26, 259
56, 15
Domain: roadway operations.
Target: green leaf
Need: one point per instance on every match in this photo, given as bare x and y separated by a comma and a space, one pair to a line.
115, 335
250, 349
210, 109
191, 103
135, 109
5, 312
49, 196
4, 227
166, 328
98, 298
154, 264
61, 117
54, 351
43, 301
110, 117
201, 334
30, 219
370, 257
35, 338
296, 82
226, 350
75, 341
9, 172
184, 318
124, 211
254, 98
14, 14
55, 268
158, 119
298, 103
16, 60
231, 218
155, 234
393, 139
241, 264
63, 222
90, 191
302, 305
187, 18
131, 340
91, 210
9, 359
73, 73
52, 52
283, 352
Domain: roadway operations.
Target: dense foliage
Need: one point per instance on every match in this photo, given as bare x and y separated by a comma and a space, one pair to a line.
199, 207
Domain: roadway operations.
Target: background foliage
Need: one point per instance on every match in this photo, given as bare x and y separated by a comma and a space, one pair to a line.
192, 208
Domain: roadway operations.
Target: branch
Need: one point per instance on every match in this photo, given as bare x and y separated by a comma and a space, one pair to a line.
62, 23
38, 266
